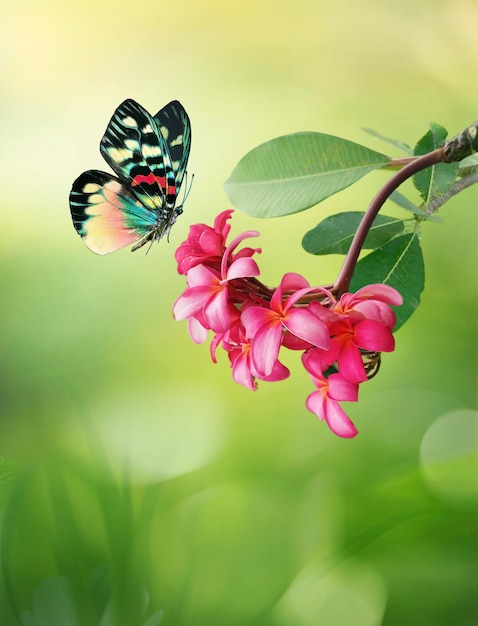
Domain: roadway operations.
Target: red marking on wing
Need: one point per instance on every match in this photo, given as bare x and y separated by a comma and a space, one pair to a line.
150, 179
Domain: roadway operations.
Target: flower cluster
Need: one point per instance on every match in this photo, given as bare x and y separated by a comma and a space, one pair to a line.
340, 338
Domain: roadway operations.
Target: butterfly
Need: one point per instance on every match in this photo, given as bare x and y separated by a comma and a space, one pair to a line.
149, 155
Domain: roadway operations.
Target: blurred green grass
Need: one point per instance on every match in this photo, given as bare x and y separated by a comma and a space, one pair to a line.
139, 464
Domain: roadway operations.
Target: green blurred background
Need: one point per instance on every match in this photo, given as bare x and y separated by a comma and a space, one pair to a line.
138, 483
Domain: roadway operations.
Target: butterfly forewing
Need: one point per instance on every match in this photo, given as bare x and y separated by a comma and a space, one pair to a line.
175, 127
136, 150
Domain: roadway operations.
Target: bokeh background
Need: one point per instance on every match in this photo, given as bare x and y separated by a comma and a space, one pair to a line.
138, 483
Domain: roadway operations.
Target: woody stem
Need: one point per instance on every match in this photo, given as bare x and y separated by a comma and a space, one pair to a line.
342, 282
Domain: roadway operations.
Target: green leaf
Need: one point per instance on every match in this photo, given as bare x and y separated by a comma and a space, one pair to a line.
394, 142
468, 166
408, 205
431, 140
399, 263
294, 172
334, 234
405, 203
436, 180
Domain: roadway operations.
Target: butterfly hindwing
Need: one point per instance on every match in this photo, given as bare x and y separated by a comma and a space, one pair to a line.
105, 214
149, 155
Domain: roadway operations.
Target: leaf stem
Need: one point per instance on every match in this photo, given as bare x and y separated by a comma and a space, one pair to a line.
399, 162
459, 185
342, 283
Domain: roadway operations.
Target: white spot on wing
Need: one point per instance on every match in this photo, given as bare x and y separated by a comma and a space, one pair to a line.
130, 122
91, 187
119, 154
178, 141
150, 151
164, 132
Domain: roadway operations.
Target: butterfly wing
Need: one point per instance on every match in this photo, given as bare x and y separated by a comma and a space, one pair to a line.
175, 127
137, 152
149, 155
106, 215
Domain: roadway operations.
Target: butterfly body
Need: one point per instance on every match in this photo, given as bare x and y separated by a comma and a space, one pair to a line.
149, 155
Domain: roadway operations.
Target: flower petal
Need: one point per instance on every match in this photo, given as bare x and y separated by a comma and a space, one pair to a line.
200, 276
292, 282
323, 313
307, 326
218, 312
197, 332
190, 302
221, 224
241, 372
314, 365
338, 420
379, 291
315, 403
211, 242
342, 389
350, 363
279, 372
242, 268
376, 310
254, 317
265, 347
372, 335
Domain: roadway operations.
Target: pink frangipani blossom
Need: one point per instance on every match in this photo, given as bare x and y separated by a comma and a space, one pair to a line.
325, 401
267, 325
252, 322
372, 302
238, 348
204, 244
207, 293
347, 340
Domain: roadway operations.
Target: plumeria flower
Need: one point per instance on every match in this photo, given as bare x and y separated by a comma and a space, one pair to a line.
252, 322
244, 372
359, 321
371, 302
204, 244
208, 294
347, 341
266, 325
325, 401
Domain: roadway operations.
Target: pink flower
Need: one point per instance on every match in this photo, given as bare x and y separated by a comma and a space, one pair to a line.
238, 348
371, 302
361, 320
207, 297
325, 401
347, 340
204, 244
252, 322
266, 325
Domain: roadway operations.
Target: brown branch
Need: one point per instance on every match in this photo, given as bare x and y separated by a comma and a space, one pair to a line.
342, 283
